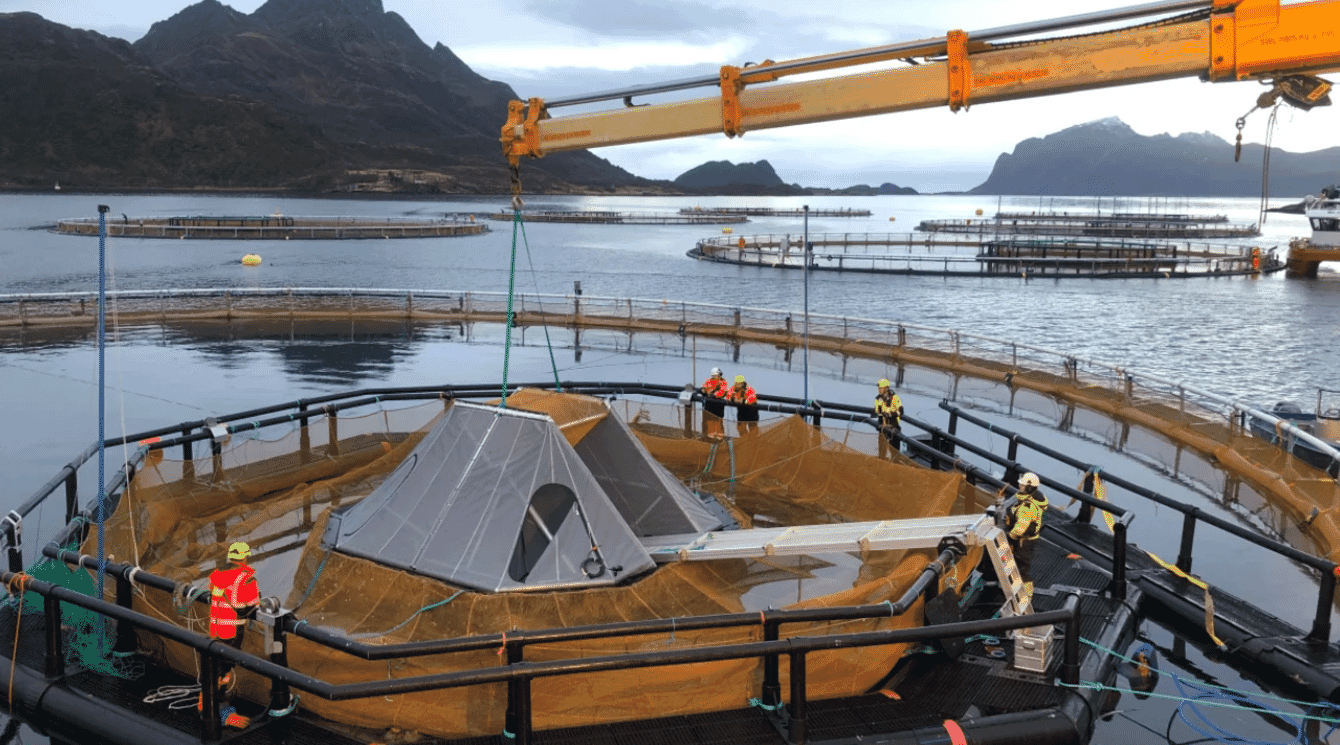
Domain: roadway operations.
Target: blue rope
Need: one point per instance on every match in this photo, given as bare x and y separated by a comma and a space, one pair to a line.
102, 397
312, 585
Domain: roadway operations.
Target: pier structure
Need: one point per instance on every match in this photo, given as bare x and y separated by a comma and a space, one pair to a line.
613, 217
1110, 226
273, 227
966, 255
770, 212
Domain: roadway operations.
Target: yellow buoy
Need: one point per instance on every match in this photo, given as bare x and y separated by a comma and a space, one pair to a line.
251, 260
727, 230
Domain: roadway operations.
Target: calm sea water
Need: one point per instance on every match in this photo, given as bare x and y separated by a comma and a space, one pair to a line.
1260, 339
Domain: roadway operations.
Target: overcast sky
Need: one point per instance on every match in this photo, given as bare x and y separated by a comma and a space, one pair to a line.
551, 48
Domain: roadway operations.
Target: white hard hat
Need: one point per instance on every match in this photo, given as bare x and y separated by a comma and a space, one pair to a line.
1029, 479
716, 371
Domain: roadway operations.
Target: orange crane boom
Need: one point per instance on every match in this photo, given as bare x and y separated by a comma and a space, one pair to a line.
1216, 40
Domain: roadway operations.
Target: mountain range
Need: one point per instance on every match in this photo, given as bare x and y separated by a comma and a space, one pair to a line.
1107, 157
341, 95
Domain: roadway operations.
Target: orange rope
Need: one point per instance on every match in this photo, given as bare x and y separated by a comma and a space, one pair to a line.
22, 581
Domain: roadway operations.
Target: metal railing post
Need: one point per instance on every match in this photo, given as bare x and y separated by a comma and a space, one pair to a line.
1119, 558
1188, 539
799, 707
125, 631
333, 431
523, 722
512, 722
1070, 661
1086, 509
772, 684
209, 697
1321, 625
71, 495
55, 662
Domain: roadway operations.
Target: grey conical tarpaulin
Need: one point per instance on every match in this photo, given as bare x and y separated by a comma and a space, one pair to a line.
493, 499
648, 496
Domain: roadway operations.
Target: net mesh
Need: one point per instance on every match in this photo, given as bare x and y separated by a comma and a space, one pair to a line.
178, 516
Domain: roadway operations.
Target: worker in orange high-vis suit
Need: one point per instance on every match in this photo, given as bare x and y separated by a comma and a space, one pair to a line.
233, 598
744, 398
714, 391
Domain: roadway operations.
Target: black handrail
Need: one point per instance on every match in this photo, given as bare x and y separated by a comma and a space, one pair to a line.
1326, 569
212, 650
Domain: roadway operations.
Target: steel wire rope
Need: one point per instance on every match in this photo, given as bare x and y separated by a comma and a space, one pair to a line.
539, 299
511, 293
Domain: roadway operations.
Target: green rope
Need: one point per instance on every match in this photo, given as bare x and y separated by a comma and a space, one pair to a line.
544, 324
759, 703
511, 293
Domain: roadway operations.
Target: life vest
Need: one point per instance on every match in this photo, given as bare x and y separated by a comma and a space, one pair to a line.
716, 388
231, 591
749, 397
887, 409
1029, 511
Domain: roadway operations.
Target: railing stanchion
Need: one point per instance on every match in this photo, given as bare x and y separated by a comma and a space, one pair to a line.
799, 707
1070, 662
71, 495
55, 662
523, 723
772, 684
125, 631
1188, 540
512, 722
1086, 509
209, 696
1119, 558
1321, 625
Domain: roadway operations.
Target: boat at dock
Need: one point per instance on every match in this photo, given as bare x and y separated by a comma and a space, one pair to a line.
1323, 214
1314, 435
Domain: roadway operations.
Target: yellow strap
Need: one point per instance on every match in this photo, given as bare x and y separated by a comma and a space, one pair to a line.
1100, 491
1209, 601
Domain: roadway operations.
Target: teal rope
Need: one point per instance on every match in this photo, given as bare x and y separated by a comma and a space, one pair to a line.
552, 364
312, 585
397, 627
511, 293
759, 703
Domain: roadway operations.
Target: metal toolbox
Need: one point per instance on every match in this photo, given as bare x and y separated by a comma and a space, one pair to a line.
1032, 648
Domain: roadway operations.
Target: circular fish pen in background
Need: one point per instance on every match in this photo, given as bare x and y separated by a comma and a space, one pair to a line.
274, 227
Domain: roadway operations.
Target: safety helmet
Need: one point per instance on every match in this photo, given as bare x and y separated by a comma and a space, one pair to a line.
739, 378
239, 551
716, 371
883, 382
1029, 480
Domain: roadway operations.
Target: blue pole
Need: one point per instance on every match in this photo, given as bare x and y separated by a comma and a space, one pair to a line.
102, 393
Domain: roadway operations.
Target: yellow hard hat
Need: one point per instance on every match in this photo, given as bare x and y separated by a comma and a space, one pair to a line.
239, 551
739, 378
883, 382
